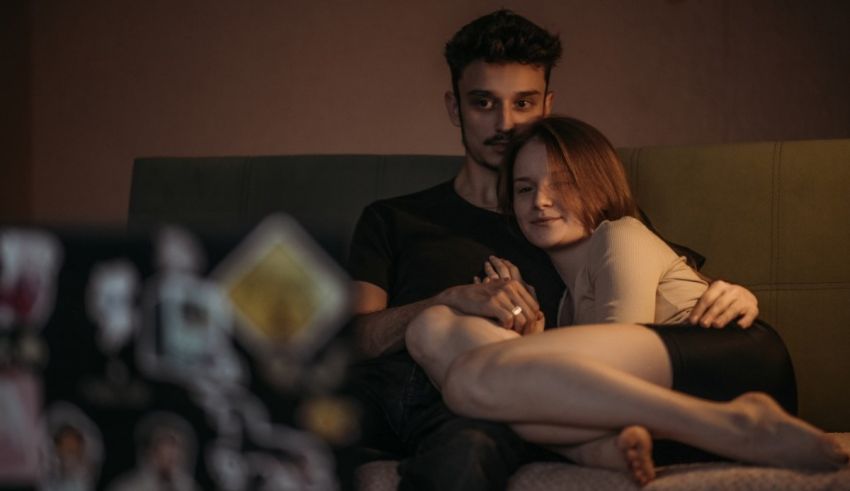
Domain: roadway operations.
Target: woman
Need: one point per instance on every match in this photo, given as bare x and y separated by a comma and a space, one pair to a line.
597, 391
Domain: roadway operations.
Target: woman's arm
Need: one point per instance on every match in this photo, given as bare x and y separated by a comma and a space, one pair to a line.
629, 261
626, 264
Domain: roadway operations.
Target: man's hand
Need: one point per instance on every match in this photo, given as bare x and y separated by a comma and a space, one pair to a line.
496, 268
722, 303
506, 298
507, 301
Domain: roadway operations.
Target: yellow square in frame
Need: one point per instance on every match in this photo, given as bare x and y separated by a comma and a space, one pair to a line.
288, 295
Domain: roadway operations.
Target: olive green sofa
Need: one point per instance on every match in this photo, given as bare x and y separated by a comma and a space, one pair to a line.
773, 216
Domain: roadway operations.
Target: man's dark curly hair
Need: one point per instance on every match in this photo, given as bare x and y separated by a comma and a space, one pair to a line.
502, 37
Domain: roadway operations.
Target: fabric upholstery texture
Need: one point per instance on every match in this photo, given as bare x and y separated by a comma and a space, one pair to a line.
548, 476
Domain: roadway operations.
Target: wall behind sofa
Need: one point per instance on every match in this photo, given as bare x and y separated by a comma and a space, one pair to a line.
15, 168
115, 79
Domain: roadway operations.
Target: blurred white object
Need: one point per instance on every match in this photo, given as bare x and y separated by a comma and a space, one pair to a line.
110, 301
29, 264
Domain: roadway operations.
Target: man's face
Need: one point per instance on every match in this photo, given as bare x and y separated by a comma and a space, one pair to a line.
494, 102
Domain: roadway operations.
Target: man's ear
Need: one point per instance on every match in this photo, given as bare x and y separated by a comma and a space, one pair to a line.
548, 101
452, 107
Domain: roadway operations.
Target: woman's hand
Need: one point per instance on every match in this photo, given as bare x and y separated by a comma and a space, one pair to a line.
724, 302
498, 269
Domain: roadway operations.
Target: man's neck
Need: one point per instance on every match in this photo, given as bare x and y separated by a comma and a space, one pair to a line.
476, 184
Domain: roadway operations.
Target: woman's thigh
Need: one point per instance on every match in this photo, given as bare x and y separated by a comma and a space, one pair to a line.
630, 348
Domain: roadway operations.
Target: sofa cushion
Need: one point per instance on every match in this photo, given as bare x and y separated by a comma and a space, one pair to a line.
545, 476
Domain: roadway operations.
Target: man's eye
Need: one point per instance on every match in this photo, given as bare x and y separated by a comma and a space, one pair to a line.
483, 103
522, 189
524, 104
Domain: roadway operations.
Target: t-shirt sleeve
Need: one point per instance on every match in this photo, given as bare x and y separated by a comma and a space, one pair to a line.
627, 263
370, 257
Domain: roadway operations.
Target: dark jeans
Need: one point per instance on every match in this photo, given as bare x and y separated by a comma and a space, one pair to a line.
405, 418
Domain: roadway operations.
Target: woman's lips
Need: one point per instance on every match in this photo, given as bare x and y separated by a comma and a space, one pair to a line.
544, 220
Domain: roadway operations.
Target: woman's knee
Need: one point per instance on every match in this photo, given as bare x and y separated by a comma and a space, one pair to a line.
424, 334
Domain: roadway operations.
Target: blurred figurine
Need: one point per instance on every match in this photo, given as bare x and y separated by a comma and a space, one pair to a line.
29, 263
110, 302
178, 251
269, 457
186, 331
165, 455
74, 450
226, 466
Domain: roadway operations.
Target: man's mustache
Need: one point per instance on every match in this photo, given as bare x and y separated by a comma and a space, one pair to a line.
500, 139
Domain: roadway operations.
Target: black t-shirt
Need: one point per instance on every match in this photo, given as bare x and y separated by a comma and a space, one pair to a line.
417, 245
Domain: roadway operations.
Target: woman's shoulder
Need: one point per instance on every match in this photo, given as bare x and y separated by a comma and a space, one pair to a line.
627, 238
622, 228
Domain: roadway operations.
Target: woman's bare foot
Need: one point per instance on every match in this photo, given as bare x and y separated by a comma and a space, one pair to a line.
630, 451
770, 436
635, 443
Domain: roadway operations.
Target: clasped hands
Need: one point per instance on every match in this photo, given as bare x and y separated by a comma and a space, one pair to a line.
502, 296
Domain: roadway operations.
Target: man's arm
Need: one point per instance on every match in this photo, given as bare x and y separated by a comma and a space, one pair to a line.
379, 330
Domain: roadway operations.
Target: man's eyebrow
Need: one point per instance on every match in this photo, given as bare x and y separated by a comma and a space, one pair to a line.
528, 93
487, 93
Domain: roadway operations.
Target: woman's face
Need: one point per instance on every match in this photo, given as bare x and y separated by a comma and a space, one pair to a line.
538, 201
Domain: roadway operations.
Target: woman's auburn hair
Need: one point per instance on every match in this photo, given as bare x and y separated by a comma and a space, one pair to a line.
584, 166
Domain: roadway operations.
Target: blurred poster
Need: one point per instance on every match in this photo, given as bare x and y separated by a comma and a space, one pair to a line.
20, 432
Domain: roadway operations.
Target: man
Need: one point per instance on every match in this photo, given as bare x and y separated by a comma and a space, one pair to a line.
423, 249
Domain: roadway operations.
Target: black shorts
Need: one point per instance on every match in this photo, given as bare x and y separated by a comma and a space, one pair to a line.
721, 364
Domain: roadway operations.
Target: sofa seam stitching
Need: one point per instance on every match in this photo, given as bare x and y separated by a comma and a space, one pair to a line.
775, 218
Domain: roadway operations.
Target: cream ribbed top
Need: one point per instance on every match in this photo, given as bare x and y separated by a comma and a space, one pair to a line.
631, 276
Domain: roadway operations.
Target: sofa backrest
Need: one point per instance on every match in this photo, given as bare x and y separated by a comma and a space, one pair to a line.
774, 217
325, 193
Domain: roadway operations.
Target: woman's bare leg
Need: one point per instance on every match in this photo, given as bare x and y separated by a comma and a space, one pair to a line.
439, 335
558, 378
